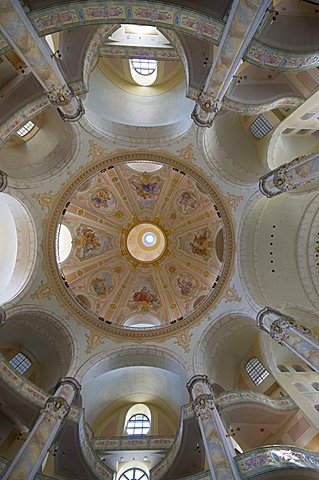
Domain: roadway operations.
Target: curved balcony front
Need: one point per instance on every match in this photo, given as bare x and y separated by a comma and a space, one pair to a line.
278, 462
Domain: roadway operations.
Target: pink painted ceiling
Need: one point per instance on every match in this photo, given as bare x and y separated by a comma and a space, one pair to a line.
101, 274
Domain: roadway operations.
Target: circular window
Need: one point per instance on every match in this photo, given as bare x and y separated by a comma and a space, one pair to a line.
138, 424
134, 474
146, 242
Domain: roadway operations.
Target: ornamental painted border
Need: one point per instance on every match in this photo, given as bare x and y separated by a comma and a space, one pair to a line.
271, 58
237, 397
187, 21
50, 227
53, 19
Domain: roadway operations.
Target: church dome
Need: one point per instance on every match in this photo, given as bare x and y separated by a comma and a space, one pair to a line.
143, 240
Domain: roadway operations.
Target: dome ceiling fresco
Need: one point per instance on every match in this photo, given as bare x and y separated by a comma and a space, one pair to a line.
144, 244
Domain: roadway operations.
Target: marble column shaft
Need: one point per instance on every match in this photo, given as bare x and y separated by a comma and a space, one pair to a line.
218, 448
30, 457
33, 50
243, 20
299, 172
286, 331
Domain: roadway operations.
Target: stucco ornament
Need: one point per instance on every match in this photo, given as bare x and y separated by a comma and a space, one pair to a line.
279, 329
144, 243
56, 408
203, 405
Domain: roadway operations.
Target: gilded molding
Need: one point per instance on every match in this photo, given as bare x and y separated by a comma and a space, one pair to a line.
43, 291
234, 201
93, 340
101, 159
44, 199
187, 154
183, 339
231, 295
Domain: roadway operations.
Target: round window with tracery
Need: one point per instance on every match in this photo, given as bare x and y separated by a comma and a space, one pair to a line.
138, 424
134, 474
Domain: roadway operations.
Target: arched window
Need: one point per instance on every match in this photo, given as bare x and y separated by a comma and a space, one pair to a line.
144, 66
138, 424
20, 362
301, 387
298, 368
283, 368
134, 474
256, 371
64, 243
143, 71
138, 420
315, 385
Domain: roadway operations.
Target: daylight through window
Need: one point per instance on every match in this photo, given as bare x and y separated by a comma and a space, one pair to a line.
20, 362
138, 424
144, 66
256, 371
134, 474
27, 127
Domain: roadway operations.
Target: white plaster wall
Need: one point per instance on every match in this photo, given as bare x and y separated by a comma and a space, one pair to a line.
45, 154
232, 149
8, 246
141, 383
106, 103
272, 234
18, 247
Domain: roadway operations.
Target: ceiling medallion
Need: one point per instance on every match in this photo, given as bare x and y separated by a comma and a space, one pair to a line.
149, 245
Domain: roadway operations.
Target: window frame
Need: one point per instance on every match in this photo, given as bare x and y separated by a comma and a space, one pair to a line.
21, 363
144, 420
256, 371
142, 69
145, 476
26, 129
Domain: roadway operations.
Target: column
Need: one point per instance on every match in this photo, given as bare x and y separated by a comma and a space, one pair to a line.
242, 22
31, 455
3, 317
286, 331
218, 447
3, 181
19, 32
297, 173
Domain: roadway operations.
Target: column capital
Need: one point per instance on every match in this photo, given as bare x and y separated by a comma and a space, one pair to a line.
203, 404
197, 379
70, 381
56, 408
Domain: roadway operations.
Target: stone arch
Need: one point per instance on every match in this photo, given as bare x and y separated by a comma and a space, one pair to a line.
136, 374
46, 154
211, 357
51, 343
19, 246
271, 233
134, 356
